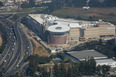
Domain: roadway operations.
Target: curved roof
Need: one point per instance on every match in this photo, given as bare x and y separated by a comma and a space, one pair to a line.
58, 28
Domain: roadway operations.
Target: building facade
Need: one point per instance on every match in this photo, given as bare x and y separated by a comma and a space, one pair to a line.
56, 30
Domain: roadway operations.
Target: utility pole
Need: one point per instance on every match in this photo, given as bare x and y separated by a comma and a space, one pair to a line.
115, 42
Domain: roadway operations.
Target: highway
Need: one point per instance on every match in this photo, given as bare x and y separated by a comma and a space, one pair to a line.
17, 50
9, 50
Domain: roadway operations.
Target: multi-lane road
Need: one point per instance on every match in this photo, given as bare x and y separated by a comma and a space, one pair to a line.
17, 50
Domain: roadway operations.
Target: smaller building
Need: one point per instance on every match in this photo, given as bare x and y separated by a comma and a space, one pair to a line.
57, 60
108, 62
84, 54
100, 59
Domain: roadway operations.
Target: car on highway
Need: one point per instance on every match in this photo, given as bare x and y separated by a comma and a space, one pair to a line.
5, 61
27, 53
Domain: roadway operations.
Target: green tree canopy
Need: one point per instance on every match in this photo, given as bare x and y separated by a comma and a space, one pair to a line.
1, 3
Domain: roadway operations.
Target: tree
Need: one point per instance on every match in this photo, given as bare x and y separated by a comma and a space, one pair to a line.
70, 72
92, 63
44, 72
32, 3
62, 70
32, 66
66, 70
60, 55
43, 60
75, 68
88, 67
113, 76
25, 5
102, 70
1, 3
108, 48
105, 70
33, 62
98, 70
56, 70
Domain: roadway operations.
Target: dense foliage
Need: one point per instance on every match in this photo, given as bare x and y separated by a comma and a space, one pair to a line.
34, 60
63, 70
103, 3
58, 55
87, 67
58, 4
102, 70
25, 5
1, 3
28, 5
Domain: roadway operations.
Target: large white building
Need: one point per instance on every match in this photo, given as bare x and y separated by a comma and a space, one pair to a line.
52, 29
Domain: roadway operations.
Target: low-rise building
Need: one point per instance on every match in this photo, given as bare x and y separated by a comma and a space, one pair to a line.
109, 62
85, 54
99, 58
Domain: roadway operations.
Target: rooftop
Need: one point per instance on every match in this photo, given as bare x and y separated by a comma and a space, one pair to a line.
49, 20
37, 17
81, 55
58, 28
105, 61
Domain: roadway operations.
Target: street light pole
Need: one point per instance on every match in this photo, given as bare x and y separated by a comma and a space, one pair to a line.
115, 42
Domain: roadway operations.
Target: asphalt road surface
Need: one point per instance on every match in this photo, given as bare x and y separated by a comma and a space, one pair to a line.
17, 50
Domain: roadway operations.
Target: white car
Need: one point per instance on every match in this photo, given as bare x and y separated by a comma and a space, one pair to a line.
5, 61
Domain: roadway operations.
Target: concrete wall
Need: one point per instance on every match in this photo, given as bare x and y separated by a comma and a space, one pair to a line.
35, 27
74, 34
57, 39
96, 32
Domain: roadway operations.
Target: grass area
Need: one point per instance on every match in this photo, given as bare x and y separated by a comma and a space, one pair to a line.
22, 14
67, 12
40, 48
44, 51
106, 14
33, 45
24, 11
